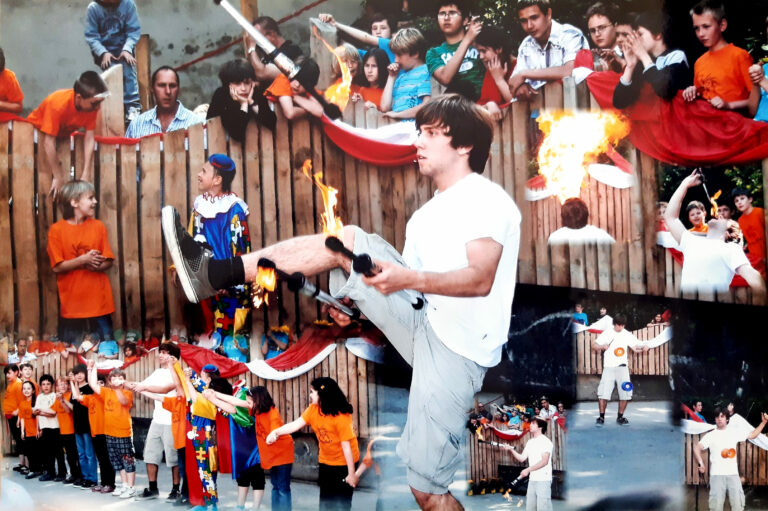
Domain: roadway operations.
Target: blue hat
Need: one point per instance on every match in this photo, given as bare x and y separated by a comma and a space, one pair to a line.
222, 162
210, 368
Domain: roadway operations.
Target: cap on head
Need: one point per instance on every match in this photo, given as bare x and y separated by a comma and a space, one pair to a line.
222, 163
210, 368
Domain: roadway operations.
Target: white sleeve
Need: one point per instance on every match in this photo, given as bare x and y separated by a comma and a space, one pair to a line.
736, 256
604, 339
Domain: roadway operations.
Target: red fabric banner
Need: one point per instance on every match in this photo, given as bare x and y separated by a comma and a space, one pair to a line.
690, 413
368, 149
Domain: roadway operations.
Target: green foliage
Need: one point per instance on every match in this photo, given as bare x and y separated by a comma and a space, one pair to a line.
749, 177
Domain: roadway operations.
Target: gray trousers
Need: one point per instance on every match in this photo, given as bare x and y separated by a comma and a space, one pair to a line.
539, 496
719, 485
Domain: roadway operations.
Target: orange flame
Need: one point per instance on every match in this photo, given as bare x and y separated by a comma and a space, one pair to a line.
713, 201
572, 140
332, 225
338, 94
266, 280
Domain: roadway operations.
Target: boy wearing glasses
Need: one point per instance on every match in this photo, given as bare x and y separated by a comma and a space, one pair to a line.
456, 63
603, 30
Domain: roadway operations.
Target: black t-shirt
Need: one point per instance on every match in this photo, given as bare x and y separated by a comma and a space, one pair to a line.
80, 412
288, 49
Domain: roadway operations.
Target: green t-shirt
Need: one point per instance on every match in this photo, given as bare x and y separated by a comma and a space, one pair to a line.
471, 70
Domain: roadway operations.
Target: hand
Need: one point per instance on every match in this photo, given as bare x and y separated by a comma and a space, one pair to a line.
54, 191
391, 115
718, 103
515, 82
250, 42
391, 278
35, 411
208, 394
71, 377
690, 93
327, 18
393, 69
128, 58
59, 395
629, 56
91, 259
130, 385
244, 99
473, 28
526, 93
633, 40
188, 372
764, 416
37, 435
525, 472
756, 73
354, 98
371, 104
494, 111
272, 438
352, 479
337, 316
106, 60
495, 68
702, 468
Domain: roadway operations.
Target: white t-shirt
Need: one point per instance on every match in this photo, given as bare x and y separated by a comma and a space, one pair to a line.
587, 234
720, 442
619, 344
45, 402
435, 241
534, 450
545, 413
161, 376
708, 264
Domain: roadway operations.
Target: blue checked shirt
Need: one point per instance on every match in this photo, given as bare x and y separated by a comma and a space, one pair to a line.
148, 123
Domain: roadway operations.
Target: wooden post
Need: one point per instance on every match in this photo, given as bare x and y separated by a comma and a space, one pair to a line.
111, 120
319, 52
7, 304
144, 72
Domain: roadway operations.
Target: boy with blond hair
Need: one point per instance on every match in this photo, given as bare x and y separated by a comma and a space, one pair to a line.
721, 75
408, 84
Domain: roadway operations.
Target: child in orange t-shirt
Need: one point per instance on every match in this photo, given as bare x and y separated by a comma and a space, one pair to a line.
721, 75
11, 97
29, 432
752, 223
697, 215
63, 409
373, 78
95, 407
11, 401
292, 96
330, 416
63, 112
80, 255
117, 427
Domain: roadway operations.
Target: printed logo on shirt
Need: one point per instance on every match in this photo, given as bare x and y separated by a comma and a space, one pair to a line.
728, 453
619, 352
468, 58
323, 436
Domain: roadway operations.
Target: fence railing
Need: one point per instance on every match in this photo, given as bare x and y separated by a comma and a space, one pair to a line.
654, 362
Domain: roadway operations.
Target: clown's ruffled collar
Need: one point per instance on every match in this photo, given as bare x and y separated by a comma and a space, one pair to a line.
208, 206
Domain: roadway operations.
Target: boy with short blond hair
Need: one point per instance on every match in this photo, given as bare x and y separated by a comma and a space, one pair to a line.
406, 91
721, 75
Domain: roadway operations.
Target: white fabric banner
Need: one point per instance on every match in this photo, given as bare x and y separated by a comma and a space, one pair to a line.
263, 370
737, 423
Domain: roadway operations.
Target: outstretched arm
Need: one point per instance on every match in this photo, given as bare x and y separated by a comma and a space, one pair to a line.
755, 282
363, 37
93, 379
672, 213
759, 429
286, 429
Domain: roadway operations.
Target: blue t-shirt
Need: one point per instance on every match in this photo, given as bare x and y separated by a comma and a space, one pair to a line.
762, 107
384, 45
272, 349
410, 88
231, 351
108, 348
580, 318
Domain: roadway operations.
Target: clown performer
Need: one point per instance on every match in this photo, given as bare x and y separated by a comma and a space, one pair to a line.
220, 219
614, 343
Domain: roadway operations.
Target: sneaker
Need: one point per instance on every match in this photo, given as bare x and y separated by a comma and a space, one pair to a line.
600, 421
108, 489
118, 490
173, 496
71, 480
33, 475
148, 494
23, 471
87, 485
97, 488
189, 257
60, 479
622, 421
128, 492
46, 477
19, 468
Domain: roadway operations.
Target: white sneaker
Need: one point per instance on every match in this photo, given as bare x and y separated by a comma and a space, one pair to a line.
118, 491
128, 492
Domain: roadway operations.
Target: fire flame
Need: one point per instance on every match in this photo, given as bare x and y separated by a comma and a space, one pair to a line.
713, 201
266, 280
338, 94
572, 140
332, 225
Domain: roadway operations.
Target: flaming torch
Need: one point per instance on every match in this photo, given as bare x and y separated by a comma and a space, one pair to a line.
266, 280
337, 94
332, 224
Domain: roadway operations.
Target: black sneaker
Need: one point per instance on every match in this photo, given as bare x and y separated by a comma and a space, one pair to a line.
60, 479
46, 477
24, 471
182, 501
70, 480
33, 475
600, 421
175, 494
19, 468
87, 485
622, 421
189, 257
148, 494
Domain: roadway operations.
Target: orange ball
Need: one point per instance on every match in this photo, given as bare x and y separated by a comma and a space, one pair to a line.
619, 352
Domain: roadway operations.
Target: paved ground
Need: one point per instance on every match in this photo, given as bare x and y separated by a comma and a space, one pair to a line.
645, 456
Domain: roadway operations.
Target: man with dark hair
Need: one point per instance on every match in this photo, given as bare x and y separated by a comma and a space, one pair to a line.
601, 24
460, 252
538, 453
381, 32
547, 53
615, 344
574, 215
724, 470
168, 114
63, 112
11, 96
263, 67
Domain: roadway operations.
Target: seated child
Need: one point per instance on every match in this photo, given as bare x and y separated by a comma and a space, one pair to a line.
406, 91
697, 215
293, 98
107, 349
495, 51
649, 60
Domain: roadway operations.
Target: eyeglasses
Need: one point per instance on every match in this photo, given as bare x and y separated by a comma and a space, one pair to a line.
598, 29
447, 14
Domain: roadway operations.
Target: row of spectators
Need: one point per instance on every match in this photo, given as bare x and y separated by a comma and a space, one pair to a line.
514, 415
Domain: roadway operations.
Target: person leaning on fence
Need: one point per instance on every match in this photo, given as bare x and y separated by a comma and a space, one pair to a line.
112, 29
375, 63
615, 345
650, 60
538, 453
291, 95
722, 444
601, 24
408, 85
379, 37
697, 215
79, 252
548, 51
11, 96
495, 49
264, 69
752, 224
240, 99
22, 354
721, 75
168, 114
63, 112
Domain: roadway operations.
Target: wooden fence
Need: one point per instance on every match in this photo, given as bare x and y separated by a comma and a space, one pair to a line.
484, 459
134, 182
654, 362
753, 463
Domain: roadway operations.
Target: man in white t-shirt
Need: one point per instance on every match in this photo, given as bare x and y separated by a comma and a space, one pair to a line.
710, 262
460, 252
614, 344
574, 215
724, 471
538, 452
547, 411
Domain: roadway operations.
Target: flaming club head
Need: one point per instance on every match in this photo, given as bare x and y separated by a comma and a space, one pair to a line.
572, 139
266, 280
337, 94
332, 224
713, 201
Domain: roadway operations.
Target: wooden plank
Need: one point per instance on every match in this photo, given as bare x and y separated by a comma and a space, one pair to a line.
196, 157
143, 72
25, 245
349, 191
130, 266
7, 303
526, 266
111, 119
109, 213
46, 213
151, 251
561, 272
236, 153
283, 182
578, 264
175, 194
269, 198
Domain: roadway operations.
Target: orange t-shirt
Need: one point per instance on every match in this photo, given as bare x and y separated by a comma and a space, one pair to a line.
703, 227
723, 73
753, 227
10, 90
95, 413
331, 430
117, 416
280, 86
64, 414
58, 117
40, 347
177, 405
372, 94
12, 398
30, 421
279, 453
83, 293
